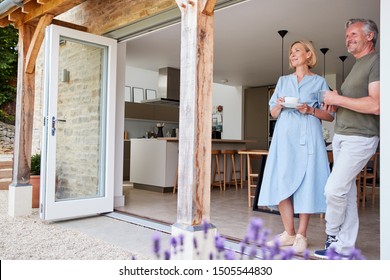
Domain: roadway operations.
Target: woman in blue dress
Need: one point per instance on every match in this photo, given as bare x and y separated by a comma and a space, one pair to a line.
297, 165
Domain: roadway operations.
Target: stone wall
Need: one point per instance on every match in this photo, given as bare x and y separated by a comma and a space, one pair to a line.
7, 134
99, 16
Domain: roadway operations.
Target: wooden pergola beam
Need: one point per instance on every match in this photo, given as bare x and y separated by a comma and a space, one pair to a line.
36, 42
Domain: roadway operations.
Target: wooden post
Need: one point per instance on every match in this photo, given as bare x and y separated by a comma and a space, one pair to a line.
20, 190
196, 81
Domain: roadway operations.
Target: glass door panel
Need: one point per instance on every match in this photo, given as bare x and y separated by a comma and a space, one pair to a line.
78, 142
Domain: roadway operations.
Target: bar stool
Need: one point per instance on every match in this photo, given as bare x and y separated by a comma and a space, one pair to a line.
242, 166
233, 171
215, 154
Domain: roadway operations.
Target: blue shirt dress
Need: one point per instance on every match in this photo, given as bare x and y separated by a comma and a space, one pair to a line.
297, 165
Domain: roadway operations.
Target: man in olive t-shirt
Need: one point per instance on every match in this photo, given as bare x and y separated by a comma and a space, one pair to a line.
356, 136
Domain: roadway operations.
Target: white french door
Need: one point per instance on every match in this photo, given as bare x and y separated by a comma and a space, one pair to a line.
77, 174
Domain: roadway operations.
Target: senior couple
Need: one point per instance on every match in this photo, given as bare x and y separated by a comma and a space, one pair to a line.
297, 179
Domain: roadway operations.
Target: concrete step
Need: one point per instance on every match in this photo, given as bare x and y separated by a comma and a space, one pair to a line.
5, 173
4, 183
6, 164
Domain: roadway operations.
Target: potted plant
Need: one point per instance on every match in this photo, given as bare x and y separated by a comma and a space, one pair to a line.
35, 178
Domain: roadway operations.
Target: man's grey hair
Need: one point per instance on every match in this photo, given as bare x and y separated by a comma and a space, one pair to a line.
369, 26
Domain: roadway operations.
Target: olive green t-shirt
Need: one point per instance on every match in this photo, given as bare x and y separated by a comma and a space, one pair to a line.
348, 122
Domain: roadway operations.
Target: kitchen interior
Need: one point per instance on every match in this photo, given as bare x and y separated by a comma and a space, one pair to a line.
242, 86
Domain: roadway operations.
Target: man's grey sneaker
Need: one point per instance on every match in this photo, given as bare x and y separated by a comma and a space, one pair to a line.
329, 240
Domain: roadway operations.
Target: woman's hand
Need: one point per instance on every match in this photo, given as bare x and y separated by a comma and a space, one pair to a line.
305, 109
277, 108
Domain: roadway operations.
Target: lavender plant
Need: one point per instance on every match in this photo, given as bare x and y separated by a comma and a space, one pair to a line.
253, 246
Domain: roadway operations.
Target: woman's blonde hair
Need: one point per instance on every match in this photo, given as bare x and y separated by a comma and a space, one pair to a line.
312, 60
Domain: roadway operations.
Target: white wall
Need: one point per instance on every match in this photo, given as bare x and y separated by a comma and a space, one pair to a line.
231, 99
385, 138
137, 77
227, 96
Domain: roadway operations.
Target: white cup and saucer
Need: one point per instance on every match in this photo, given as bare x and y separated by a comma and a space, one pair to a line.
290, 102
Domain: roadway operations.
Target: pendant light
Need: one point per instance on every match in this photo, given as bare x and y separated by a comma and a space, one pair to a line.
282, 33
324, 51
343, 58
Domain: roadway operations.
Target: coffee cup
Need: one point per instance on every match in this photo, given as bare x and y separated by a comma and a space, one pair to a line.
291, 100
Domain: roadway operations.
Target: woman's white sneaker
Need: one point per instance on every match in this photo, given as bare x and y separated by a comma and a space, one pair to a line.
300, 244
284, 240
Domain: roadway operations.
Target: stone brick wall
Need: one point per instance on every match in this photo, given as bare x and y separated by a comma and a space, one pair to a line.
7, 134
80, 106
99, 16
79, 99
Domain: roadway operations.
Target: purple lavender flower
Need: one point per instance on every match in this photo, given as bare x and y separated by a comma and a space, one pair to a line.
219, 243
356, 254
174, 244
332, 254
156, 244
242, 248
195, 242
167, 255
205, 226
229, 255
252, 252
306, 254
287, 254
181, 242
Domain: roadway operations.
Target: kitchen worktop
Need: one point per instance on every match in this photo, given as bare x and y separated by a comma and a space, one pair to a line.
154, 161
174, 139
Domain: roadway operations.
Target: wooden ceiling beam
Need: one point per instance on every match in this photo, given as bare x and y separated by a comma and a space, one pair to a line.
69, 25
16, 15
4, 22
30, 6
36, 42
42, 1
54, 7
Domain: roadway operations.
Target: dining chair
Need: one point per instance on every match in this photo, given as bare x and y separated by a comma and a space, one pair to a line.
367, 177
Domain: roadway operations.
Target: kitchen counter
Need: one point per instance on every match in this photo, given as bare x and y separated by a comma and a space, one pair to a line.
153, 162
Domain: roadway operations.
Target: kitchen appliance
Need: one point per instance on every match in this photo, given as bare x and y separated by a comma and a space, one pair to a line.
168, 92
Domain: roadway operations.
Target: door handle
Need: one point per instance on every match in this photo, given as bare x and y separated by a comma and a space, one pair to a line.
53, 124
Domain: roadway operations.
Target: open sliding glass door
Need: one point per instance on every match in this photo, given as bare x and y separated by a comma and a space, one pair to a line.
77, 176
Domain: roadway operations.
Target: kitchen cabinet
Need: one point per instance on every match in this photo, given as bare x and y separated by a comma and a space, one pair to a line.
151, 112
271, 120
153, 164
258, 123
256, 117
126, 160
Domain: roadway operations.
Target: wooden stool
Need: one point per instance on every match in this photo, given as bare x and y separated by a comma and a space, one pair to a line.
233, 171
214, 183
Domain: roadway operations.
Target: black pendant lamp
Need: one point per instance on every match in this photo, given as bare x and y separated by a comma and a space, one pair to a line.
282, 33
324, 51
343, 58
